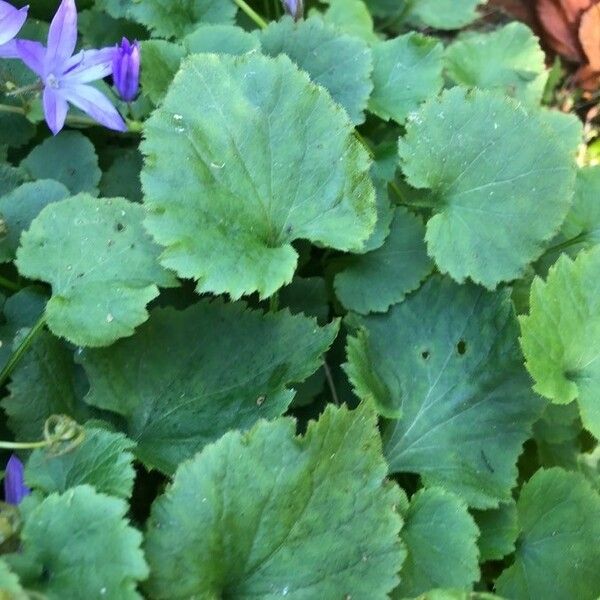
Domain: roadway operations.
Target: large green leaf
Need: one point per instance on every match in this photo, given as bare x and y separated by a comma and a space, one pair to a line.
441, 543
19, 207
161, 62
268, 158
582, 225
10, 586
188, 377
352, 17
557, 552
446, 14
69, 158
508, 60
446, 363
44, 383
407, 71
267, 514
166, 18
500, 182
561, 334
499, 529
80, 543
221, 39
101, 263
374, 281
103, 460
339, 62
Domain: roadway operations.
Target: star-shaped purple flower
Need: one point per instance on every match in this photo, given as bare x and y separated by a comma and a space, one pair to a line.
11, 21
14, 482
65, 76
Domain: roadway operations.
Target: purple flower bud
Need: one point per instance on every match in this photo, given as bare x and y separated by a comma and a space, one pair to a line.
14, 483
126, 69
295, 8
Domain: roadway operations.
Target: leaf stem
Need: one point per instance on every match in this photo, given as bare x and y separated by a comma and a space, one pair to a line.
251, 13
566, 244
274, 302
331, 384
18, 354
9, 285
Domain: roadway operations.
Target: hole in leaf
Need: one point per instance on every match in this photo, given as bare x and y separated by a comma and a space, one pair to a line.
425, 354
119, 227
461, 347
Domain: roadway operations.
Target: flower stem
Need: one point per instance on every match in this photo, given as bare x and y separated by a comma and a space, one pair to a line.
8, 108
34, 87
18, 354
134, 126
250, 12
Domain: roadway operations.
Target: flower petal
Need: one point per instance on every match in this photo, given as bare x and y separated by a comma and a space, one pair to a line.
89, 65
32, 54
62, 36
55, 109
95, 104
11, 21
9, 50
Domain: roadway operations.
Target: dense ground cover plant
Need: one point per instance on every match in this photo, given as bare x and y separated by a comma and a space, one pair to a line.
307, 307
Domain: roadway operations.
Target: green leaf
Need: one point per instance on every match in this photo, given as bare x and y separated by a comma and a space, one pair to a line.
103, 460
557, 552
251, 192
44, 383
502, 191
342, 64
582, 224
122, 177
499, 529
168, 19
446, 363
179, 388
561, 334
101, 263
441, 543
10, 587
242, 515
161, 62
21, 310
456, 595
350, 16
10, 178
446, 14
407, 71
385, 215
557, 436
79, 541
69, 158
221, 39
373, 282
19, 207
508, 60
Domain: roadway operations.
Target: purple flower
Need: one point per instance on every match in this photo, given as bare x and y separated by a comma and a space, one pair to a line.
126, 69
11, 21
295, 8
14, 483
65, 76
